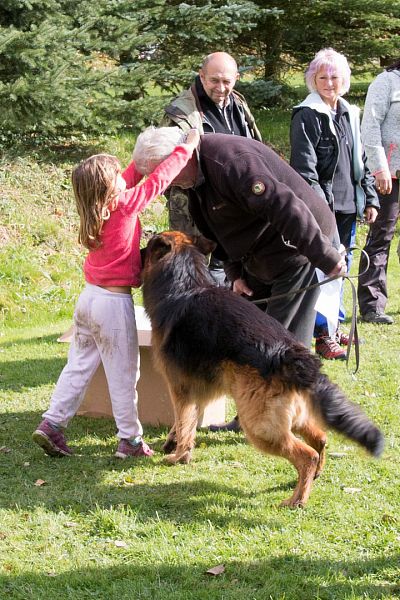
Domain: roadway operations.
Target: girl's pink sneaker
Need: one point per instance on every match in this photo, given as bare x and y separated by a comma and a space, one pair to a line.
52, 440
125, 449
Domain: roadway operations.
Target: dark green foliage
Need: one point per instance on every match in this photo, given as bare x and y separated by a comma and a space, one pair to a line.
98, 67
366, 31
60, 66
260, 93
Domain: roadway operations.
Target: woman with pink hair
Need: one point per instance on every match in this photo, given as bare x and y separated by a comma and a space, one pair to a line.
326, 151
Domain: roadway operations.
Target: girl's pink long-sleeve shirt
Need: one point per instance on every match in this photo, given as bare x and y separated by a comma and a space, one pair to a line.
117, 261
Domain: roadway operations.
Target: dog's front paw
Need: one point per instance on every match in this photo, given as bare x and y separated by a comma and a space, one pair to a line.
292, 503
186, 457
171, 459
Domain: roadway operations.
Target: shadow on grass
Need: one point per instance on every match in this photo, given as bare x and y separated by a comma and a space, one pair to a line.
32, 341
94, 477
287, 576
17, 375
103, 428
55, 152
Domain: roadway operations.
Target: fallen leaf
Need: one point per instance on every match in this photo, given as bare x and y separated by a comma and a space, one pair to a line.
352, 490
120, 544
337, 454
5, 450
216, 570
26, 464
40, 482
70, 524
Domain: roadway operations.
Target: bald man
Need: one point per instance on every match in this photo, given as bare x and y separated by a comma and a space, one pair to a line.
210, 105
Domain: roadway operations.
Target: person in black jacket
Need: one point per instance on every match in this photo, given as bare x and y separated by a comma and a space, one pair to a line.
271, 228
326, 152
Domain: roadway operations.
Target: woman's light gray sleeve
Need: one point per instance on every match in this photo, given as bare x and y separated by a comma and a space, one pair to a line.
376, 108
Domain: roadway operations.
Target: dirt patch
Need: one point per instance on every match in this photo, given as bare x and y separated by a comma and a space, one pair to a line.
4, 236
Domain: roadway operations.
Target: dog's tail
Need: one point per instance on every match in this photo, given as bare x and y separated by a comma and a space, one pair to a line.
345, 416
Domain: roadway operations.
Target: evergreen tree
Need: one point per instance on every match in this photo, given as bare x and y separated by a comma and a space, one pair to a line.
97, 66
366, 31
40, 68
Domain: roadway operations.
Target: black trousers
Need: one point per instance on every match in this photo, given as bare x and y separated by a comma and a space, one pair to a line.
346, 225
372, 285
296, 311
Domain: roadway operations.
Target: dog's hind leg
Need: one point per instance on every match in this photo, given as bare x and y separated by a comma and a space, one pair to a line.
316, 438
268, 412
304, 458
186, 417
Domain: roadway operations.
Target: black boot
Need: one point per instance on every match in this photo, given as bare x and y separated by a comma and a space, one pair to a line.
233, 425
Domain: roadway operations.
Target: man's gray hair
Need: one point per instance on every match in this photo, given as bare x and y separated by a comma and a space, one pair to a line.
154, 145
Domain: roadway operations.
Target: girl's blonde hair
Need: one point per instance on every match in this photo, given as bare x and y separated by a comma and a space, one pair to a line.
93, 182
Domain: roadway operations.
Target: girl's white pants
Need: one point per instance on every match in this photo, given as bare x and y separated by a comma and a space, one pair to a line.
104, 330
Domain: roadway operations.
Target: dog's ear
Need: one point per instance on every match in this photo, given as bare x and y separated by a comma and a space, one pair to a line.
205, 245
158, 247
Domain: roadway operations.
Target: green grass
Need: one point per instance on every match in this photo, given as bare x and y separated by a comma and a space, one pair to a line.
104, 528
126, 530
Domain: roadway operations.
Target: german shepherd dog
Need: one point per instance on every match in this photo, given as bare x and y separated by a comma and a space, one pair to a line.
208, 341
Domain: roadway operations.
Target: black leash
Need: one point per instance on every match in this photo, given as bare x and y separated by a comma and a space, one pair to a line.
353, 334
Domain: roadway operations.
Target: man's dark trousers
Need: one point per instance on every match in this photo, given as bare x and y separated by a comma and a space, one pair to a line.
372, 287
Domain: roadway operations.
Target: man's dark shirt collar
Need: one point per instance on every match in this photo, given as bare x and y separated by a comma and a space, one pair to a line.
220, 120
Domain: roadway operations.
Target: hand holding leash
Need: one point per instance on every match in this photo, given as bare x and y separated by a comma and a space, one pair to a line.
340, 269
240, 287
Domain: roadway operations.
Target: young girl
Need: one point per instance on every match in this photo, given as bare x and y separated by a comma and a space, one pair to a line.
108, 204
